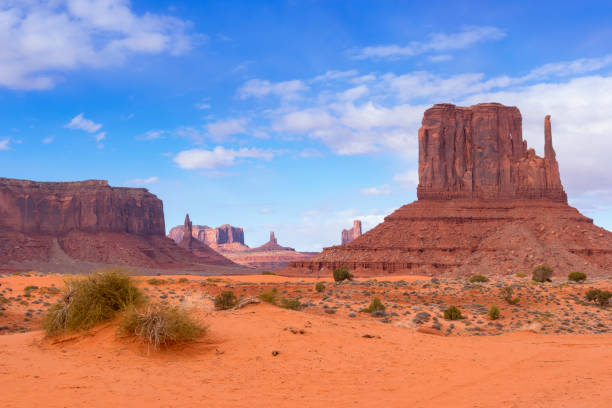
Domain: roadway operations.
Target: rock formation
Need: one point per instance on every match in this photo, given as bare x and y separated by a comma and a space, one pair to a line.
199, 248
223, 238
349, 235
486, 204
271, 245
76, 226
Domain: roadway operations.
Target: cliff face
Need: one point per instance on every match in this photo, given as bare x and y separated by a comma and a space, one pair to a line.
349, 235
486, 204
90, 206
479, 152
225, 234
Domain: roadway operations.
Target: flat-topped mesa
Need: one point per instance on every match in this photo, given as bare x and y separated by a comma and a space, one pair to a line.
349, 235
225, 234
89, 206
478, 152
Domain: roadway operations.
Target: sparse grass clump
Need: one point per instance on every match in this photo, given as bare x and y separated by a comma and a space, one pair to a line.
601, 297
320, 287
30, 288
493, 312
270, 296
507, 294
452, 313
542, 273
268, 273
479, 279
155, 281
293, 304
225, 300
160, 325
521, 275
183, 280
342, 273
577, 277
88, 301
376, 307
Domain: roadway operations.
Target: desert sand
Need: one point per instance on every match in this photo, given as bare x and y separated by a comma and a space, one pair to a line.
322, 359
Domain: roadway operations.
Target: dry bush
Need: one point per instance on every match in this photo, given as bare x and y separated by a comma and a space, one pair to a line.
225, 300
342, 273
542, 273
160, 325
88, 301
320, 287
479, 279
577, 277
452, 313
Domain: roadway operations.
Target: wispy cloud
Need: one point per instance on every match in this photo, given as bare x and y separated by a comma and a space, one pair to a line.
79, 122
260, 88
438, 42
195, 159
43, 39
4, 143
141, 181
379, 190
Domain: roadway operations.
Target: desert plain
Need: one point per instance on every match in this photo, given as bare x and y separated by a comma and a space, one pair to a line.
551, 349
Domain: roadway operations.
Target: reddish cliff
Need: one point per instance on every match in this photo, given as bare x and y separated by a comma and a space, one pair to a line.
214, 237
349, 235
78, 226
487, 204
200, 249
479, 152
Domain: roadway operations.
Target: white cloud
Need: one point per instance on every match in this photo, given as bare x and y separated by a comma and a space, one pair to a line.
48, 140
100, 137
335, 75
260, 88
380, 190
438, 42
79, 122
203, 105
142, 181
152, 135
42, 39
408, 178
221, 129
218, 157
440, 58
4, 144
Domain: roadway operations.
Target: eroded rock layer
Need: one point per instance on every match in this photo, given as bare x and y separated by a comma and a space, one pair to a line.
349, 235
79, 226
487, 204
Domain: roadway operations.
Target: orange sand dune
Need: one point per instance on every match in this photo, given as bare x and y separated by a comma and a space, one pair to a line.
330, 365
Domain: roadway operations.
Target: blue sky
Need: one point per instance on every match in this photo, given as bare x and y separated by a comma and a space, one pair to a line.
292, 116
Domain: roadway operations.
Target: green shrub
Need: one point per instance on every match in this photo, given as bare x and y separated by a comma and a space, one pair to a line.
270, 296
225, 300
30, 288
452, 313
268, 273
507, 294
479, 279
375, 306
155, 281
160, 325
342, 273
88, 301
577, 276
320, 287
493, 312
542, 273
521, 275
183, 280
601, 297
293, 304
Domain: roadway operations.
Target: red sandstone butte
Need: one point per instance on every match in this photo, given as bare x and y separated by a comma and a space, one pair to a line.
199, 248
349, 235
79, 226
486, 204
223, 238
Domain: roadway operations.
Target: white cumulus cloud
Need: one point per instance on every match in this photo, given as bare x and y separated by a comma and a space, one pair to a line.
195, 159
79, 122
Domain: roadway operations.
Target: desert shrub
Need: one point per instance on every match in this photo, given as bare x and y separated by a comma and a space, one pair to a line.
577, 276
270, 296
268, 273
160, 325
521, 275
155, 281
293, 304
342, 273
601, 297
542, 273
320, 287
493, 312
183, 280
452, 313
225, 300
479, 279
30, 288
88, 301
376, 306
507, 294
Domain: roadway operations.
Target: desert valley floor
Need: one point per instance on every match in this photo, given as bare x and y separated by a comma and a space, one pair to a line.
552, 349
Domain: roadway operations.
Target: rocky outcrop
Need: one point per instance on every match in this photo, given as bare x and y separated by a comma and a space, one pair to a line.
79, 226
349, 235
220, 236
479, 153
486, 204
199, 248
271, 245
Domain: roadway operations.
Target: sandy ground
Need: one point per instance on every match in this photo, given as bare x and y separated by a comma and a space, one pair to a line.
324, 359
